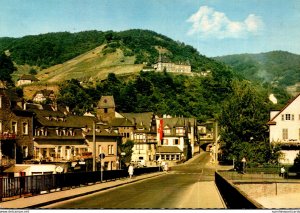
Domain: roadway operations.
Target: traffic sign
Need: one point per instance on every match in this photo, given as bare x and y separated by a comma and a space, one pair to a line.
102, 156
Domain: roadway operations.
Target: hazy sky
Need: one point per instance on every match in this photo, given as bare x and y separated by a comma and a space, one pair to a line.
214, 27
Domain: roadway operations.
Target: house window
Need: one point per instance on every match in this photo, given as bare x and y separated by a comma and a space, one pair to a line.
284, 134
293, 117
179, 131
165, 142
25, 151
25, 128
167, 131
14, 127
110, 150
99, 149
287, 117
282, 117
105, 110
176, 142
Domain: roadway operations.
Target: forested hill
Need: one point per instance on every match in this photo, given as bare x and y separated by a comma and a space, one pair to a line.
281, 69
50, 49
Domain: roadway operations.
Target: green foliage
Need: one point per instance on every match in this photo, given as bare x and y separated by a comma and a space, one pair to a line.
243, 124
6, 68
278, 68
73, 95
127, 149
49, 49
32, 71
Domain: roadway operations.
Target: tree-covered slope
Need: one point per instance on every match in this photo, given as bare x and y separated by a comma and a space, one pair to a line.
50, 49
277, 67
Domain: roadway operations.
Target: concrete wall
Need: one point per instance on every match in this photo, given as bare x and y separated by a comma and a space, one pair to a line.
256, 190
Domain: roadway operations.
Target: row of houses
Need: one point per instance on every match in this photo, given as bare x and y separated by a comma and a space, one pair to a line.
36, 132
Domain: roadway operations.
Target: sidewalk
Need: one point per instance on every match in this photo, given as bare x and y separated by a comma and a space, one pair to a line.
57, 196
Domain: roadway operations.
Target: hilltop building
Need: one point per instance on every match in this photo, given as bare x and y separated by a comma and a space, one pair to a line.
164, 64
42, 96
26, 79
284, 130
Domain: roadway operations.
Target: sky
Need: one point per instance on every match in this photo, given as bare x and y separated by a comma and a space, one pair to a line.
213, 27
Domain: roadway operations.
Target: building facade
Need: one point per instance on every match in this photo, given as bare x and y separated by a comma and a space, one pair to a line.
284, 130
16, 127
176, 138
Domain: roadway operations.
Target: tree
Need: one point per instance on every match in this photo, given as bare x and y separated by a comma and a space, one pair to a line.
6, 68
243, 124
73, 95
32, 71
127, 149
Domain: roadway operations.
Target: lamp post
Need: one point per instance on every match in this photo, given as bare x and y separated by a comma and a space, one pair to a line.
244, 164
94, 146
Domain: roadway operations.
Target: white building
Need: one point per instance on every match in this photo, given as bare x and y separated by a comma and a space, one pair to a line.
284, 126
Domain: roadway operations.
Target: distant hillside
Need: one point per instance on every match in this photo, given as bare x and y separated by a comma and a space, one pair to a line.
281, 69
91, 55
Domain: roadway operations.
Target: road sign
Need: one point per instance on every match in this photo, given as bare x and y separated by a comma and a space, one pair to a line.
123, 153
59, 169
244, 160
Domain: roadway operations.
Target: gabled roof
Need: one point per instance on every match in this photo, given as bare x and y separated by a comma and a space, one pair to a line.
272, 121
44, 92
121, 122
168, 149
141, 120
28, 77
106, 102
179, 122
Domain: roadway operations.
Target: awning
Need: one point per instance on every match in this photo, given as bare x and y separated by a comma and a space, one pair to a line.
168, 149
16, 169
53, 144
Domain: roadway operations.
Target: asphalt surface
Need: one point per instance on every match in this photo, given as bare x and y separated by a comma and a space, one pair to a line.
190, 185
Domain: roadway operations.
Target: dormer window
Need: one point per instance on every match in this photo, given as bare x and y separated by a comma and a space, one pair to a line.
58, 132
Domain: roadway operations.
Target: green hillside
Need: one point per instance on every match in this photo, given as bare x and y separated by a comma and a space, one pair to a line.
281, 69
92, 55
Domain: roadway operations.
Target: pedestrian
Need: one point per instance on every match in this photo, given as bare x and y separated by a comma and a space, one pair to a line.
130, 171
166, 167
282, 171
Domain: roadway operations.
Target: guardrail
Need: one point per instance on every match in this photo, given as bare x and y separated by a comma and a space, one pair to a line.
232, 196
15, 187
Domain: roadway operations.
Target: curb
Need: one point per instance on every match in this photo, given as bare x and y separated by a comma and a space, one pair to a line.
86, 193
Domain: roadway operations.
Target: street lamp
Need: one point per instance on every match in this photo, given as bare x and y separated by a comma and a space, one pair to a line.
244, 164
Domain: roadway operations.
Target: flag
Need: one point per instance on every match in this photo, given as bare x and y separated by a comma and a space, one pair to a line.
161, 129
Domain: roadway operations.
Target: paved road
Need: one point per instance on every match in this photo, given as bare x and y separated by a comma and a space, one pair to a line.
190, 185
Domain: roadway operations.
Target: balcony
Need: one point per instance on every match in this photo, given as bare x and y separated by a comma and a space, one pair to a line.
7, 136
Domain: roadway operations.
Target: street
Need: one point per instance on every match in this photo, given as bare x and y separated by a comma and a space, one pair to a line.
190, 185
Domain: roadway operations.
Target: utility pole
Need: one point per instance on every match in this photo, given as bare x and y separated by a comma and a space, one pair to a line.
216, 141
94, 147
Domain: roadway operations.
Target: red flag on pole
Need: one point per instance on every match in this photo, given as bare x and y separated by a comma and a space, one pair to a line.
161, 129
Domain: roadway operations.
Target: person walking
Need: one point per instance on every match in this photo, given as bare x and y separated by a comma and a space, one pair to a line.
282, 171
130, 171
166, 167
